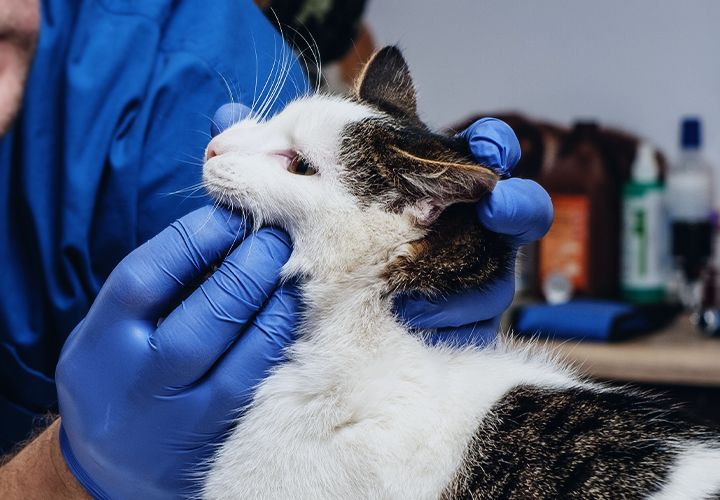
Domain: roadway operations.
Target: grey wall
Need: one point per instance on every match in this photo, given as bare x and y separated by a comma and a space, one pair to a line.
636, 64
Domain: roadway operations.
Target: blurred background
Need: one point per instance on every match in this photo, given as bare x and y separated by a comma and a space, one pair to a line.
617, 108
639, 65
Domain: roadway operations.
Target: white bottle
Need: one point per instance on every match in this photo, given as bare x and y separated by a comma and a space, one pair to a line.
643, 236
689, 180
689, 202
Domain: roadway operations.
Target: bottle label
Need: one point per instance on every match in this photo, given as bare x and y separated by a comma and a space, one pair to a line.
564, 249
642, 240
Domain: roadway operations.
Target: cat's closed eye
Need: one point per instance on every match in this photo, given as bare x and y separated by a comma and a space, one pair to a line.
298, 165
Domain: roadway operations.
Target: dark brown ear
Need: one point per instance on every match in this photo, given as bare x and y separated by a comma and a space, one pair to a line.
440, 182
386, 83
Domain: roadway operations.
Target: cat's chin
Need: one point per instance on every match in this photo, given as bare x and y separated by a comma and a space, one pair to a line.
236, 206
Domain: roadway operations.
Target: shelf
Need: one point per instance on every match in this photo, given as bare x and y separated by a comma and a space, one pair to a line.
678, 354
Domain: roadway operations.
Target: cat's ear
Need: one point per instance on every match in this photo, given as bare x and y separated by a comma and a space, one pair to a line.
386, 83
441, 183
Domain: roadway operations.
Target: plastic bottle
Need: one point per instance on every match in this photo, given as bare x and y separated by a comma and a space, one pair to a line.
643, 234
580, 252
689, 200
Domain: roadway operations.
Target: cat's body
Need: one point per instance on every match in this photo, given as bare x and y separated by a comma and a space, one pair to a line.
364, 408
380, 415
375, 416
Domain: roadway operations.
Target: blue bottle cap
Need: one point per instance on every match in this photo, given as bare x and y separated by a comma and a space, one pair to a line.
691, 133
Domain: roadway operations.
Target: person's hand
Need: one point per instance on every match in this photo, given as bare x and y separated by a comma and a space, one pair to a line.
147, 388
518, 208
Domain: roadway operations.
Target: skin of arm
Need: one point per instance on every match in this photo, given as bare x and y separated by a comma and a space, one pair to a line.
50, 476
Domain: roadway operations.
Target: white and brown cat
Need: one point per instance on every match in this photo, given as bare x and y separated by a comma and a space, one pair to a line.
376, 204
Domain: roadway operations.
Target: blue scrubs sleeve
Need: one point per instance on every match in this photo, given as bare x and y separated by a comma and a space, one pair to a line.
109, 139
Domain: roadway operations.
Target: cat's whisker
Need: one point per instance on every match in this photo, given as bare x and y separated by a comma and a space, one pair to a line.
195, 196
272, 77
210, 215
227, 86
204, 133
194, 163
301, 53
193, 157
304, 62
280, 59
277, 84
261, 99
185, 196
257, 70
315, 52
286, 64
318, 63
191, 160
190, 189
286, 70
212, 121
309, 90
242, 228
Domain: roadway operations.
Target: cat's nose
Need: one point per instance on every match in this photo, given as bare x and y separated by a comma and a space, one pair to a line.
210, 153
214, 149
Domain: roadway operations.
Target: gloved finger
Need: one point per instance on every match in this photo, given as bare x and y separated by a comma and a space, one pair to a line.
226, 115
261, 347
494, 144
197, 333
477, 334
153, 277
520, 208
457, 310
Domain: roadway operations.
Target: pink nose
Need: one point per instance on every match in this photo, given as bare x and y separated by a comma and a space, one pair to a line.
213, 150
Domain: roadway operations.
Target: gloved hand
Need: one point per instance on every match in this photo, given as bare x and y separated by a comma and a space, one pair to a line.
518, 208
143, 402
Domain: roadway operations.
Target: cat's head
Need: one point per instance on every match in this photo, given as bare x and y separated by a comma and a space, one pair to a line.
362, 186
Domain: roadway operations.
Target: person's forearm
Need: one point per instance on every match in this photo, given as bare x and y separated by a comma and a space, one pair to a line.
39, 471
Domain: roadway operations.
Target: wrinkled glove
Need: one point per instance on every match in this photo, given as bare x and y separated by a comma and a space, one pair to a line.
518, 208
143, 406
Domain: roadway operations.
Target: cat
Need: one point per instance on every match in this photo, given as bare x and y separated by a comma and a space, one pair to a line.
376, 205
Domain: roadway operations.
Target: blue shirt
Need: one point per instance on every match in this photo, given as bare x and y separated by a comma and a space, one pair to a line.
114, 123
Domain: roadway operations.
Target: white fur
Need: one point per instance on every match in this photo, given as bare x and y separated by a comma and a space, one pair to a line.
363, 409
696, 474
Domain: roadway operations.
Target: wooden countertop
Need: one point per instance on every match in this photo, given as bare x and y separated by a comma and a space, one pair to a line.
679, 354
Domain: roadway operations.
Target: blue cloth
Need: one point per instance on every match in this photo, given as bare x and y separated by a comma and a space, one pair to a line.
114, 121
596, 320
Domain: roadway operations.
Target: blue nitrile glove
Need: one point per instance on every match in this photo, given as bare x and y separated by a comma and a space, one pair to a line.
143, 406
519, 208
226, 115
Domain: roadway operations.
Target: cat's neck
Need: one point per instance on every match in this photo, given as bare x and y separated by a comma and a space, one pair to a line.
350, 252
343, 265
349, 313
350, 317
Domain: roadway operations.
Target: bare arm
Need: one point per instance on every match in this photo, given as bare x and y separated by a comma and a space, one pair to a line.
39, 471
